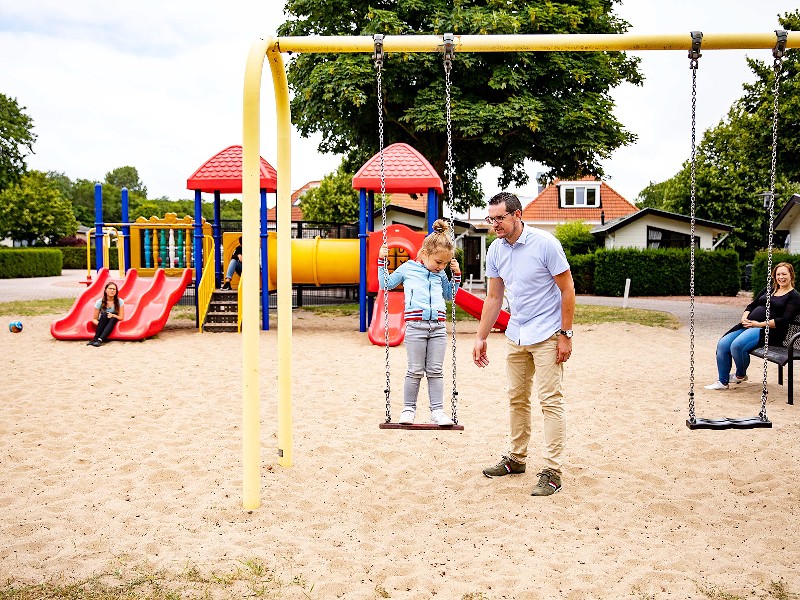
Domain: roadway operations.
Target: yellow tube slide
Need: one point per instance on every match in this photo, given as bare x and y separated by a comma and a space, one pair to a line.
316, 261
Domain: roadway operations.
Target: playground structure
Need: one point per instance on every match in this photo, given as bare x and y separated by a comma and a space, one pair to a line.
269, 50
174, 245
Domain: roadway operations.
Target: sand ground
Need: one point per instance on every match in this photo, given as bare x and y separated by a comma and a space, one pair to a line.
133, 451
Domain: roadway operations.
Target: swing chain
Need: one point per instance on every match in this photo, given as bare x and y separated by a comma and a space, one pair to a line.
449, 54
378, 58
694, 56
777, 53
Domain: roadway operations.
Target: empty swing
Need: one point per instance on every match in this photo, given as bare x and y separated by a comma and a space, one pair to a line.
761, 420
449, 49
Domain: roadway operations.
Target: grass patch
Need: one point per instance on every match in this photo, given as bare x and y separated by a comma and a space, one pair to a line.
34, 308
183, 313
588, 314
252, 578
585, 314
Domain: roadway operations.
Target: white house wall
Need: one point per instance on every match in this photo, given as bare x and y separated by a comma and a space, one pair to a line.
794, 235
634, 235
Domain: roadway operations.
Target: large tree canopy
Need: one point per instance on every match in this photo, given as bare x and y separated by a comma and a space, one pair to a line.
551, 107
734, 158
35, 210
334, 201
127, 177
16, 141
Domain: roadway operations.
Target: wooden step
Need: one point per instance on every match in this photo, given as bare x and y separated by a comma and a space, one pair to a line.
221, 317
220, 327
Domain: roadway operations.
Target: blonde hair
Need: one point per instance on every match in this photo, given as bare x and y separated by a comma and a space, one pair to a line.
439, 240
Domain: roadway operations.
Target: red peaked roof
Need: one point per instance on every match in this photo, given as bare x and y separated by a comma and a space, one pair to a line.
405, 171
545, 207
223, 173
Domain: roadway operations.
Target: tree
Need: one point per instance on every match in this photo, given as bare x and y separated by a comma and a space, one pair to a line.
34, 210
16, 141
127, 177
334, 201
551, 107
733, 159
575, 237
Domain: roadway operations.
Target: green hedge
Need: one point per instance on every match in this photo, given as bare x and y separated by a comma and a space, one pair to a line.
34, 262
665, 272
582, 268
759, 276
75, 258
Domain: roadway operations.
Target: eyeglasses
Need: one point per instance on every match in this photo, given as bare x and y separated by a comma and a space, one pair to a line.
496, 220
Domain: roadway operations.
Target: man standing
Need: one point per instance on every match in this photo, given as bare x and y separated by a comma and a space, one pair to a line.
529, 266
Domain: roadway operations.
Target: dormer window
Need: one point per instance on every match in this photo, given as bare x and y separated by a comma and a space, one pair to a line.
579, 194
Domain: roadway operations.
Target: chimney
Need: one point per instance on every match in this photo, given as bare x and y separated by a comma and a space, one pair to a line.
602, 217
538, 180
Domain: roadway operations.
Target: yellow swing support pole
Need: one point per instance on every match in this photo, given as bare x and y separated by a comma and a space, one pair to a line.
271, 49
251, 171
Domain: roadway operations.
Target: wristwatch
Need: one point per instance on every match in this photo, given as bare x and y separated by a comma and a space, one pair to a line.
565, 332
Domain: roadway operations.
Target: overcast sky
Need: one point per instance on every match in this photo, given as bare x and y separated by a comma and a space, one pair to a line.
158, 85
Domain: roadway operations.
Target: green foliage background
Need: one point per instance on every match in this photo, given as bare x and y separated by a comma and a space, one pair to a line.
550, 107
734, 157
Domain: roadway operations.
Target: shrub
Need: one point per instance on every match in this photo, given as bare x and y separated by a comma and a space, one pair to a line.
34, 262
666, 272
582, 267
575, 237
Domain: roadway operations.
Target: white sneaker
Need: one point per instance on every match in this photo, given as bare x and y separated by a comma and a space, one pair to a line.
407, 416
438, 417
736, 379
717, 386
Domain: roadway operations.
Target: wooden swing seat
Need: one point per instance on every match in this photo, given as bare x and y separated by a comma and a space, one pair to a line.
730, 423
421, 426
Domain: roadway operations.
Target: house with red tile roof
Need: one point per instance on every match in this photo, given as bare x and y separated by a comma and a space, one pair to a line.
588, 199
297, 211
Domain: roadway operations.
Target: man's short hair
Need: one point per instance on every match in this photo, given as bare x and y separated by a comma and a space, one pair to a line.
511, 201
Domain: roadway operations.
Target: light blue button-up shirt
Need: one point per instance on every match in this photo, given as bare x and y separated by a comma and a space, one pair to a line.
527, 268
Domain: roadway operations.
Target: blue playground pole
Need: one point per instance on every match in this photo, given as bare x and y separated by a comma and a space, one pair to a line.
362, 267
98, 225
126, 230
433, 209
216, 231
198, 251
264, 264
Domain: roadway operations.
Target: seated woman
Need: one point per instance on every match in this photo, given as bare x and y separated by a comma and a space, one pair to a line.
735, 345
108, 311
234, 266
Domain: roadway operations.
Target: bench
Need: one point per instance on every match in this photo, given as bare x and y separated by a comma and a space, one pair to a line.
784, 354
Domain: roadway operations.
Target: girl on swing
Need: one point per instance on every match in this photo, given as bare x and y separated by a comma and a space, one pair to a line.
425, 288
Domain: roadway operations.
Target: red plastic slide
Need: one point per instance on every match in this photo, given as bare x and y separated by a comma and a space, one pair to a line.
147, 306
473, 305
397, 322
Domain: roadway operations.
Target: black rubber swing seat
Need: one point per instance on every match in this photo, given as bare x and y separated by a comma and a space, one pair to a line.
421, 426
730, 423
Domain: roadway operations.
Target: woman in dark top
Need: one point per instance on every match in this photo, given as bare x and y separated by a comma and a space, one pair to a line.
737, 342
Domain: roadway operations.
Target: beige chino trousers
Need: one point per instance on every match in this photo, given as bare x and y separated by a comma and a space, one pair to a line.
522, 363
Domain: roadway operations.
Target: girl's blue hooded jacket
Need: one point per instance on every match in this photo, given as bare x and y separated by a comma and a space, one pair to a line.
425, 291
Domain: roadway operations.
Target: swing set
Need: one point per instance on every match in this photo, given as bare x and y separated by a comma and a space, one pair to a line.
448, 49
271, 49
